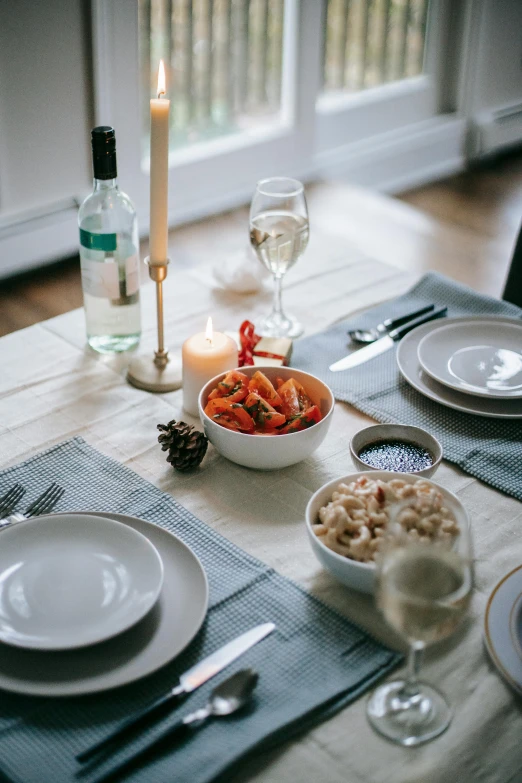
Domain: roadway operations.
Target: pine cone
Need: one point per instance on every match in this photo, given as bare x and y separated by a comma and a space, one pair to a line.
186, 446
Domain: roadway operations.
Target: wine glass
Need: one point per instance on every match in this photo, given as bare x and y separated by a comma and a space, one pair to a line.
279, 232
423, 590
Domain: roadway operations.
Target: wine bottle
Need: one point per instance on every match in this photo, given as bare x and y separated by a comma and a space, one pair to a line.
109, 254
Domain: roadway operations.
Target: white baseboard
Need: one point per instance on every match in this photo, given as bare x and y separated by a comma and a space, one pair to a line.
396, 161
495, 130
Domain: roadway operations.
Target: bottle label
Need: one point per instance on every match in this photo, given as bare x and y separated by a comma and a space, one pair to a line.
105, 242
110, 270
100, 278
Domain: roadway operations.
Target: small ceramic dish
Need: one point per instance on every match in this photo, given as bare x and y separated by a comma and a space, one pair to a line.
279, 451
403, 433
352, 573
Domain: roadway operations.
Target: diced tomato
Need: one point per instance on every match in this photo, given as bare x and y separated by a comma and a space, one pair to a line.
302, 421
234, 387
229, 414
297, 400
304, 400
289, 399
260, 384
264, 415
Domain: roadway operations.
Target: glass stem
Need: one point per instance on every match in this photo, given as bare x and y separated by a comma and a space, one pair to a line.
277, 306
411, 685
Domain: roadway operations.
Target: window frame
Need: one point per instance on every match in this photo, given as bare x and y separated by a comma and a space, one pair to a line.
344, 119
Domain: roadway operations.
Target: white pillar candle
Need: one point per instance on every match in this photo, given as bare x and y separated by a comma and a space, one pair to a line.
204, 355
159, 173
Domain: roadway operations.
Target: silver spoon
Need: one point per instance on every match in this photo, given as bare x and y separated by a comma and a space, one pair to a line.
366, 336
228, 697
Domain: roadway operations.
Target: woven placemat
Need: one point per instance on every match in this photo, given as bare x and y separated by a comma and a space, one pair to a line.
489, 449
313, 665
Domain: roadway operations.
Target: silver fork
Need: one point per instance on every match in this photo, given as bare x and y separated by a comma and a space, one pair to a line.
46, 502
10, 499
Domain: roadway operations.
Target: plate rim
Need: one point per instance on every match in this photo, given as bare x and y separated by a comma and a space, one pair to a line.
484, 394
487, 636
35, 522
426, 392
71, 688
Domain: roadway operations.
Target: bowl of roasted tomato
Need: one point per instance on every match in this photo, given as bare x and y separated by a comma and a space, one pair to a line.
266, 417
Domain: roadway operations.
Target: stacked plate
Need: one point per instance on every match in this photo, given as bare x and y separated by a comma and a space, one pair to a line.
471, 364
93, 601
503, 628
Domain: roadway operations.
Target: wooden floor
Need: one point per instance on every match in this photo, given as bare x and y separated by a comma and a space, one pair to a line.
464, 226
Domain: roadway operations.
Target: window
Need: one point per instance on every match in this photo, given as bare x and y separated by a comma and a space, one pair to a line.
266, 87
224, 65
368, 44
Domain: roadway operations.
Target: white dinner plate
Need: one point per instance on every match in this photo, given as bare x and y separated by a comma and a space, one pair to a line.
69, 581
482, 356
503, 627
411, 370
158, 638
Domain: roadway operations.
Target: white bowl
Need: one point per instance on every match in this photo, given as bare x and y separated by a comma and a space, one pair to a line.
280, 451
361, 576
377, 433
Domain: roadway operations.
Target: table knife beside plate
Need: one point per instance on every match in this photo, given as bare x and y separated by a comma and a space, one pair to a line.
188, 682
384, 343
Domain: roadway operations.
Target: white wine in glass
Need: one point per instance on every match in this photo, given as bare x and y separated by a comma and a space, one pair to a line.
423, 590
279, 236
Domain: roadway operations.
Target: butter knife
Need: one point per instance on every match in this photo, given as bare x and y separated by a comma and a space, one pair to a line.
384, 343
188, 682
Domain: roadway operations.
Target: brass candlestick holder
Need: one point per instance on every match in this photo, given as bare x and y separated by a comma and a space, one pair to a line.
159, 373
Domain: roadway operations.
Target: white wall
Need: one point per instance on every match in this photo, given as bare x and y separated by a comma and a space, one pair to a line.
491, 76
45, 103
499, 66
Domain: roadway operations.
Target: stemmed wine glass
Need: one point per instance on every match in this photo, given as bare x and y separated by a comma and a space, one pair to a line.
279, 233
423, 590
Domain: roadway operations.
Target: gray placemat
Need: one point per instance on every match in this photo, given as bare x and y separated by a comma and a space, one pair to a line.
312, 666
489, 449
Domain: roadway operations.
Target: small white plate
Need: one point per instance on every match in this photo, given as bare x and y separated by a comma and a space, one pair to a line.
503, 627
71, 580
162, 634
482, 357
411, 370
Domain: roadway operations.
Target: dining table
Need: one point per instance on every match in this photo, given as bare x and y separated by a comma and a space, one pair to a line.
52, 387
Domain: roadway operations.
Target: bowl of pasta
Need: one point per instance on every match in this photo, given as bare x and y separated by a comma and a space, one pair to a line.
346, 520
266, 417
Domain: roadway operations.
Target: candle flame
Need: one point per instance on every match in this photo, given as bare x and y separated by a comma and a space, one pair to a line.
161, 79
209, 334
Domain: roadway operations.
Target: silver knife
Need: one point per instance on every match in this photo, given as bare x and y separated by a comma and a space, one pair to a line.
384, 343
208, 667
188, 682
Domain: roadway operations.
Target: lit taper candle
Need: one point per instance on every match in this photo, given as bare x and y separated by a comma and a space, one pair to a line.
161, 373
159, 172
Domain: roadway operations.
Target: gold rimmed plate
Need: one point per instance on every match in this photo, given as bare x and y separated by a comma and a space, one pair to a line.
503, 627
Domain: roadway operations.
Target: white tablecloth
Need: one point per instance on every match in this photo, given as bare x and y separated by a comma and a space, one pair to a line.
52, 388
